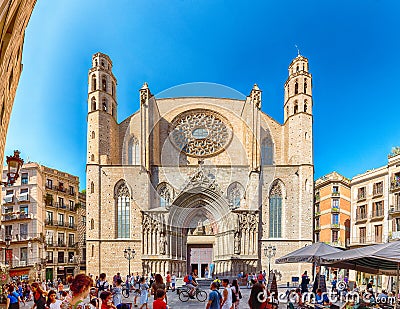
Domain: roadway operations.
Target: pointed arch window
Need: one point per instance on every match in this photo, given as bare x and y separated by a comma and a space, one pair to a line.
275, 212
305, 85
104, 104
123, 211
267, 151
305, 106
296, 108
296, 87
104, 83
133, 151
91, 224
94, 83
235, 194
165, 195
113, 89
92, 187
297, 68
94, 105
93, 134
92, 157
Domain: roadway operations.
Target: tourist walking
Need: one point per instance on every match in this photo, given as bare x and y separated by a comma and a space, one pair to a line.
173, 282
39, 299
258, 299
158, 284
214, 298
13, 298
226, 295
117, 293
236, 294
52, 301
305, 280
168, 281
144, 293
80, 288
102, 284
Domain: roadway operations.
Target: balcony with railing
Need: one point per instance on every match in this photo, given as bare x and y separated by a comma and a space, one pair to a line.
335, 209
23, 197
9, 199
62, 224
18, 237
361, 241
377, 214
56, 188
361, 216
335, 193
16, 216
394, 210
395, 183
317, 227
361, 196
377, 192
335, 226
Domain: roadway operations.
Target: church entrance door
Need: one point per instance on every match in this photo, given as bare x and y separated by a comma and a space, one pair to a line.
199, 259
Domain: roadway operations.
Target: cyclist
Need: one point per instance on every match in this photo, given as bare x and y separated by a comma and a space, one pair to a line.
191, 285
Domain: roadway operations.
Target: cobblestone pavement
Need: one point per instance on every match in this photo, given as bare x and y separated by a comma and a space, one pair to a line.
175, 303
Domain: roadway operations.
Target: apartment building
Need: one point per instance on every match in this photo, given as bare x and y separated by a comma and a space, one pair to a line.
81, 217
22, 223
375, 209
332, 210
40, 216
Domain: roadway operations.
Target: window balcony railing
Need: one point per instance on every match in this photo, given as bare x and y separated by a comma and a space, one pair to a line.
377, 213
335, 226
8, 199
335, 209
21, 216
361, 216
317, 227
23, 197
377, 192
394, 210
361, 196
395, 184
336, 193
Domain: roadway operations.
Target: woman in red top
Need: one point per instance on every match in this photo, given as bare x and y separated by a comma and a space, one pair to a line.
39, 296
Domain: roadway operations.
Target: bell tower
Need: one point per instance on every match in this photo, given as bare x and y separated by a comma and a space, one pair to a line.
102, 111
298, 117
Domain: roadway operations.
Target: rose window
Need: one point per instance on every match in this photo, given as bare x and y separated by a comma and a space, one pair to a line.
200, 133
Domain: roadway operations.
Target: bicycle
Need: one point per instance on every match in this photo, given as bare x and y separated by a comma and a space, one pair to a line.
184, 295
125, 291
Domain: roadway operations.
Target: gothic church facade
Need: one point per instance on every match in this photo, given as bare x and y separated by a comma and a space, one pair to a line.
196, 183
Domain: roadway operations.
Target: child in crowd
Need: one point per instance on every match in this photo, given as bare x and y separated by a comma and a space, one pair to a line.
159, 303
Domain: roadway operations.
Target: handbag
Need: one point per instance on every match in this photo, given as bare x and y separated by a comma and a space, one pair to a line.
240, 295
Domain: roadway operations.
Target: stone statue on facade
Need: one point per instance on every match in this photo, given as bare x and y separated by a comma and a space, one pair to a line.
163, 244
237, 243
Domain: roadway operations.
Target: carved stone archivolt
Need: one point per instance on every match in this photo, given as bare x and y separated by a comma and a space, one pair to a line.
200, 133
199, 179
123, 191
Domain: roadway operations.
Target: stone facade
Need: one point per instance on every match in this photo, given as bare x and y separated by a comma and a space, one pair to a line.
191, 183
14, 17
332, 210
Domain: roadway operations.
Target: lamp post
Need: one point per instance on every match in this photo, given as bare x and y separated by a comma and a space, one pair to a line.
14, 164
269, 252
129, 254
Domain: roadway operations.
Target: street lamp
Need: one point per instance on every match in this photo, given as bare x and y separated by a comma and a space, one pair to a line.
129, 254
14, 165
269, 252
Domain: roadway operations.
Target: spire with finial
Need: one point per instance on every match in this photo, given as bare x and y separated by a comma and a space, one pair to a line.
298, 51
255, 96
145, 93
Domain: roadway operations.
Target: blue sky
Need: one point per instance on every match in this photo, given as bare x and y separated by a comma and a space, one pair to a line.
353, 49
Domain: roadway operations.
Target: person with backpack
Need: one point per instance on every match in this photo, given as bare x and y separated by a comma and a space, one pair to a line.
214, 298
102, 284
190, 284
